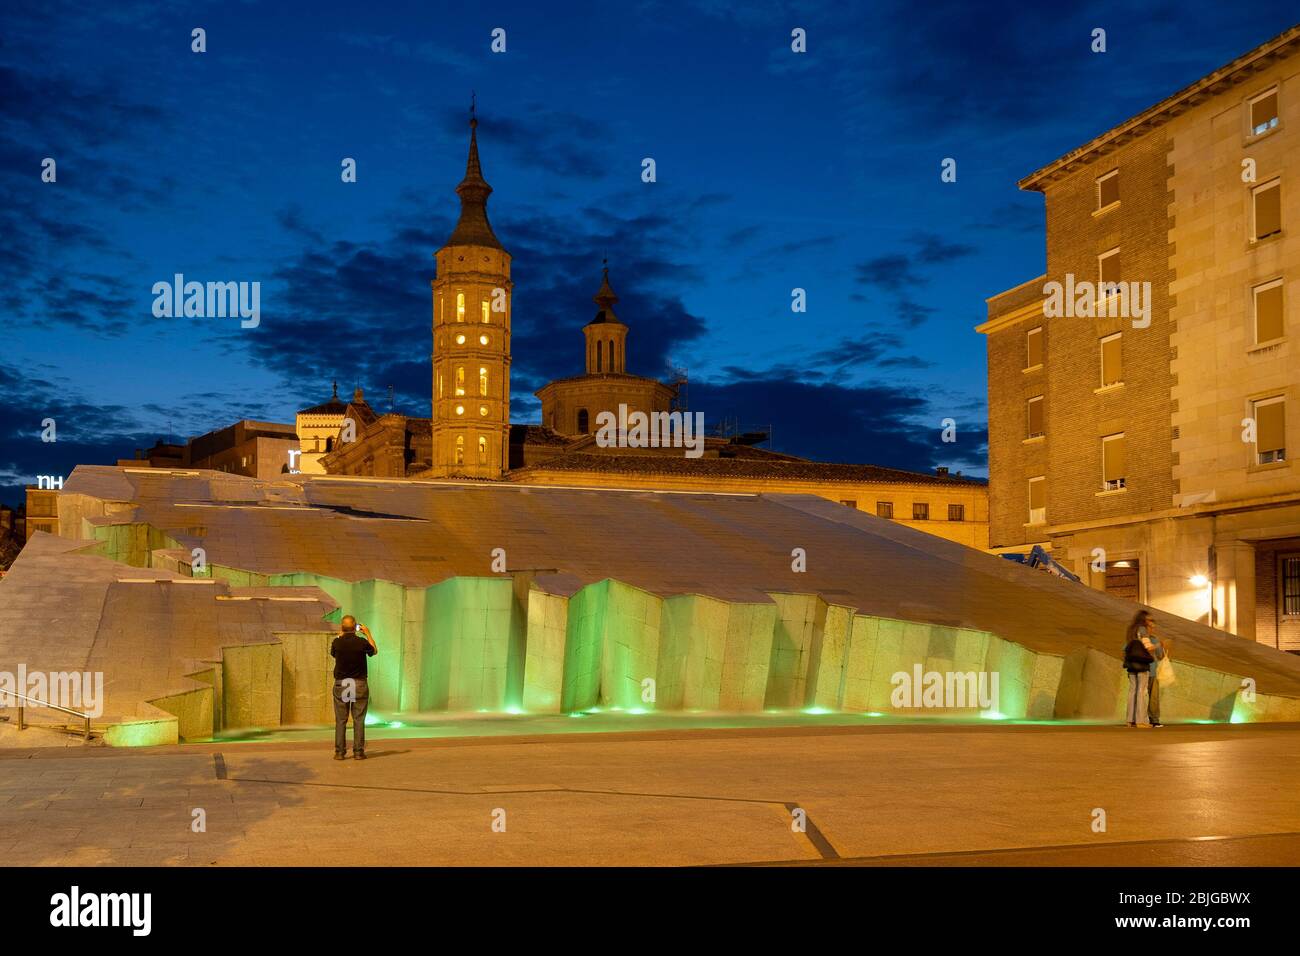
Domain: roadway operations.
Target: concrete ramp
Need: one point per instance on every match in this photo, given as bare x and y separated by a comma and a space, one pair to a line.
507, 598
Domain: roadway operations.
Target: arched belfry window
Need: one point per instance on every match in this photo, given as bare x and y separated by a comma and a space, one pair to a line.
485, 312
582, 420
482, 450
460, 449
612, 366
482, 381
460, 306
460, 380
599, 353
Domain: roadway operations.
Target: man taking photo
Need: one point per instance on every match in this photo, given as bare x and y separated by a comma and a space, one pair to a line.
351, 692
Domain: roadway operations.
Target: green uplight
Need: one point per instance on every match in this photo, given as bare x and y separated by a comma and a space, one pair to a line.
577, 714
514, 710
817, 710
874, 713
637, 710
396, 723
1238, 718
373, 719
993, 715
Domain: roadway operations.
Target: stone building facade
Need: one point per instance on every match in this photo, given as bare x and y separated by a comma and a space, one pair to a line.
1145, 443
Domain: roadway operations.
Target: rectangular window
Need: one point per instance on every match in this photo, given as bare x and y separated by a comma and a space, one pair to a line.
849, 503
1034, 417
1108, 266
1112, 369
1114, 469
1034, 348
884, 509
1269, 324
1263, 112
956, 512
1038, 500
1108, 189
1291, 586
1270, 429
920, 511
1267, 209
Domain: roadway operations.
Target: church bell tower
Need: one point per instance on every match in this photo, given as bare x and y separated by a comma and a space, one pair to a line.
471, 338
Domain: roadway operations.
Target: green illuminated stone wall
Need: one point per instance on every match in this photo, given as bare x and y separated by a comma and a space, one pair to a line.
797, 620
584, 642
307, 679
545, 649
472, 646
505, 644
252, 677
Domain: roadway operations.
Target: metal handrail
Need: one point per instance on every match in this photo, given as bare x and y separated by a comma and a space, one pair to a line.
22, 725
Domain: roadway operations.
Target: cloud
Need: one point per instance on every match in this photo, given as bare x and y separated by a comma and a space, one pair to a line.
87, 431
896, 271
365, 306
82, 121
881, 424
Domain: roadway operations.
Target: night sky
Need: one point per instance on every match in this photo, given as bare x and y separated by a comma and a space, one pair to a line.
775, 170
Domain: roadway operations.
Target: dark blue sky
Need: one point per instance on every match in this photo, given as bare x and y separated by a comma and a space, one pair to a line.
775, 171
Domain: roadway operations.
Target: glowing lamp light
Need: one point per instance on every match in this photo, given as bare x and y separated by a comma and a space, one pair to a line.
1198, 580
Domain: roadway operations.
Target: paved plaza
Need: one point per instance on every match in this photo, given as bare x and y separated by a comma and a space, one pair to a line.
894, 794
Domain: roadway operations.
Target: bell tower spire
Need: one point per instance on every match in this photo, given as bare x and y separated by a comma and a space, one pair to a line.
471, 337
473, 227
606, 335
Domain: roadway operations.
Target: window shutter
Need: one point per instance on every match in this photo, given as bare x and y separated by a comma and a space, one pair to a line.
1111, 369
1268, 211
1270, 426
1268, 314
1110, 268
1113, 464
1034, 340
1107, 191
1037, 494
1263, 111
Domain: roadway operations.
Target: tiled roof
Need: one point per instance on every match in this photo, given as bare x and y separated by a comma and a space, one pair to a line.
678, 464
535, 435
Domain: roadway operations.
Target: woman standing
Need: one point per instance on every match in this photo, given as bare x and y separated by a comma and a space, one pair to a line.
1138, 659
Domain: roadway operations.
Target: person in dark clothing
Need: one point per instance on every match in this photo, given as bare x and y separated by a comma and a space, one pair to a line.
1137, 661
351, 691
